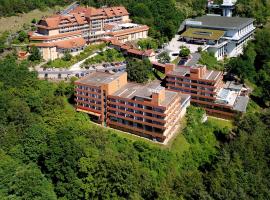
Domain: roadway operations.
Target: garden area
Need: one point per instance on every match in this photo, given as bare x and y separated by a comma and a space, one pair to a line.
110, 55
68, 60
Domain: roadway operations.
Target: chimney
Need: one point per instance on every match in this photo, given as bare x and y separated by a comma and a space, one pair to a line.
158, 95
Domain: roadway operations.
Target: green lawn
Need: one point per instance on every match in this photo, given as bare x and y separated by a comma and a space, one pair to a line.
220, 122
60, 63
110, 55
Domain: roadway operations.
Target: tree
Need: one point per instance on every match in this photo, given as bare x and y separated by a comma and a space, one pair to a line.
67, 56
210, 61
22, 36
34, 54
164, 57
139, 71
18, 181
30, 183
34, 21
184, 52
148, 44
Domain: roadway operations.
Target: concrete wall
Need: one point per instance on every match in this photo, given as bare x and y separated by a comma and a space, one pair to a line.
116, 84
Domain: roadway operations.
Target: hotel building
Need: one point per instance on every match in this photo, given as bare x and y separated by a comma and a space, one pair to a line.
207, 90
72, 30
223, 36
147, 110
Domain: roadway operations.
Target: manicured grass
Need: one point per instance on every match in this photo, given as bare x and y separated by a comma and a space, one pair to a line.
179, 144
220, 122
110, 55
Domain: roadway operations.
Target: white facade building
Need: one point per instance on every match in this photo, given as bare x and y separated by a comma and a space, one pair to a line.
224, 36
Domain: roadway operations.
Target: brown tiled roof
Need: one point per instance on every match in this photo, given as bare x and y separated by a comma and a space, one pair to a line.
79, 19
104, 12
54, 22
135, 51
80, 14
51, 44
127, 47
148, 52
65, 44
124, 46
46, 37
72, 43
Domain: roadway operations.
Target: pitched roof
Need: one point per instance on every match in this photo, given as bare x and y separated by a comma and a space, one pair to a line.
60, 35
72, 43
105, 12
64, 44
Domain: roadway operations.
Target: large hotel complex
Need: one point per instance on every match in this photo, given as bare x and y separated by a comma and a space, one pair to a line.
73, 30
147, 110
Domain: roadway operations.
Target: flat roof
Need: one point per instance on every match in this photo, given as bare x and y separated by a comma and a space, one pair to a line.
220, 22
100, 78
185, 70
233, 85
241, 103
132, 90
199, 33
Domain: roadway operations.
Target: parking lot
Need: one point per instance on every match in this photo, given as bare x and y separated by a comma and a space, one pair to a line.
64, 74
173, 47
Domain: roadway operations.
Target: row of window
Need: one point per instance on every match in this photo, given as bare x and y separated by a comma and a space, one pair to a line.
87, 88
136, 125
136, 118
89, 100
89, 95
136, 111
137, 105
89, 106
217, 108
192, 86
190, 81
71, 50
191, 91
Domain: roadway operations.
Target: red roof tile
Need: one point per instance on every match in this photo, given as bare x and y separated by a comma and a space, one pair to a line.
46, 37
65, 44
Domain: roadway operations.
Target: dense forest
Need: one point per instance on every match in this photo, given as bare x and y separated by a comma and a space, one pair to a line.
254, 65
49, 151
